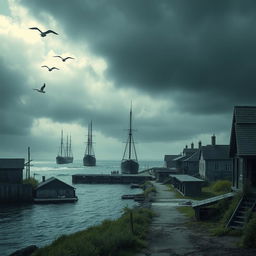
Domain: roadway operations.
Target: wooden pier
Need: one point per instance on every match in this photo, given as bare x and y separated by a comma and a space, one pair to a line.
110, 178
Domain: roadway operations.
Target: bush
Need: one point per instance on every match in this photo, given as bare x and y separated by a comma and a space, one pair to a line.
249, 236
31, 181
222, 186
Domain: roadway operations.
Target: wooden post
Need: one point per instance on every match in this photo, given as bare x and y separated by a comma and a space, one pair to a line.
28, 162
131, 222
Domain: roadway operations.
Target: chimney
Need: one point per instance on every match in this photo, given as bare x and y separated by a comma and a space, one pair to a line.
192, 145
213, 140
199, 144
186, 146
43, 178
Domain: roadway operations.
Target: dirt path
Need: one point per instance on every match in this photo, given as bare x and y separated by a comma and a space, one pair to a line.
170, 236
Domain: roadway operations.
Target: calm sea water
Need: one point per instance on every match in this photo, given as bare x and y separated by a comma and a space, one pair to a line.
37, 224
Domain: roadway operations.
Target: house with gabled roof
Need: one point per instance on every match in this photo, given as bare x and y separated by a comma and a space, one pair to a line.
191, 163
179, 161
214, 162
54, 190
169, 160
243, 148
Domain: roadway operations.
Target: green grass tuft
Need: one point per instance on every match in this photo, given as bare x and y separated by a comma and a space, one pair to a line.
249, 234
111, 237
31, 181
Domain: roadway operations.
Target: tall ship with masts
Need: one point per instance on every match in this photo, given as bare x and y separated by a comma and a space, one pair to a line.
65, 155
89, 156
129, 164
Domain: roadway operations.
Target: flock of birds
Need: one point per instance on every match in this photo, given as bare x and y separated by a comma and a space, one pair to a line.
43, 34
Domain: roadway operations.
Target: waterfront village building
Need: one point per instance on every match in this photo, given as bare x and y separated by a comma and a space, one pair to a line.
191, 163
179, 161
214, 162
54, 188
11, 170
187, 185
169, 161
11, 177
243, 148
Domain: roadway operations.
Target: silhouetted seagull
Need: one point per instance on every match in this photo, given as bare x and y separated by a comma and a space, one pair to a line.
49, 69
41, 89
64, 59
43, 34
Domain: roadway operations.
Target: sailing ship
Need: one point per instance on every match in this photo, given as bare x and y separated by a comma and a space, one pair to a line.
129, 164
89, 156
65, 155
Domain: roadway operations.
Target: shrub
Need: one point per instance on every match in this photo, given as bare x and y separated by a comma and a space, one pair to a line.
31, 181
222, 186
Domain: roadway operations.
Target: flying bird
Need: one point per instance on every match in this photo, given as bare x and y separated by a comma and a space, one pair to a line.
43, 34
41, 89
50, 69
63, 59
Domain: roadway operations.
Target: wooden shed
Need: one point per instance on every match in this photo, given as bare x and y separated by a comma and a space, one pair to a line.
11, 170
54, 190
187, 185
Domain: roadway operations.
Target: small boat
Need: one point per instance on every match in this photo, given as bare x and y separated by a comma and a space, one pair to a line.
65, 155
89, 156
129, 164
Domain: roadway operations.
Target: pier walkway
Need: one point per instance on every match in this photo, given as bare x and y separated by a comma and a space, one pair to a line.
170, 236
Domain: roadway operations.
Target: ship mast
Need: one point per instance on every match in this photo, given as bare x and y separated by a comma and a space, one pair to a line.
130, 142
130, 133
70, 151
61, 142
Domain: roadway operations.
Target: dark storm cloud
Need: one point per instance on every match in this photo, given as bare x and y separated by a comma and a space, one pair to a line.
198, 47
14, 119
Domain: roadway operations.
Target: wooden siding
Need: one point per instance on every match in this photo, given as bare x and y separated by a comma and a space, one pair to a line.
11, 176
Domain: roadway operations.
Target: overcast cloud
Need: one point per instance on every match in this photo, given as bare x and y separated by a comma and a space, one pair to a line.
184, 65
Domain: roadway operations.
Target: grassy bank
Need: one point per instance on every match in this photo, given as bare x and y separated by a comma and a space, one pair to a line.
121, 237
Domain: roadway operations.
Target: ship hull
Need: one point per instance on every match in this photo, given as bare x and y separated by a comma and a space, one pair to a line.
89, 160
64, 159
129, 167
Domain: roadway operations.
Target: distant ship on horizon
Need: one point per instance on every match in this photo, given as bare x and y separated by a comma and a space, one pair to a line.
89, 156
129, 164
65, 155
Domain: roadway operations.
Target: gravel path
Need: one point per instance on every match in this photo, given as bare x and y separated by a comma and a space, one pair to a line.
170, 236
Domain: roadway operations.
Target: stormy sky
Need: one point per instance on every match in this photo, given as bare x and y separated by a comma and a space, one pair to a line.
183, 64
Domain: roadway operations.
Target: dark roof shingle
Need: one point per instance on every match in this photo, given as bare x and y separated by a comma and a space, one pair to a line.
243, 133
215, 152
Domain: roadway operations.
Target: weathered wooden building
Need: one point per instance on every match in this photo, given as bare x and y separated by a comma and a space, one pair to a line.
162, 174
168, 160
243, 148
187, 185
54, 190
191, 164
215, 163
11, 176
11, 170
180, 160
